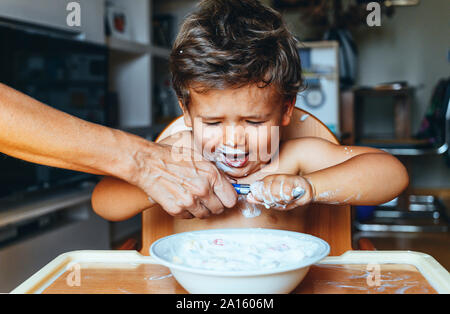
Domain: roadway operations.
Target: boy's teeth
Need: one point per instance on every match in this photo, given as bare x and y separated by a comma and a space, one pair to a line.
236, 157
226, 150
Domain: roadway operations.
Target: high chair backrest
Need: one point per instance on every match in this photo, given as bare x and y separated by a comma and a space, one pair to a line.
329, 222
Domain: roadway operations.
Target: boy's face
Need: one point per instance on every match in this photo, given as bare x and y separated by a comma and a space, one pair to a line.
238, 129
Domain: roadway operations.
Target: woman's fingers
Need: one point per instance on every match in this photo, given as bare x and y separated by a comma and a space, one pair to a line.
181, 181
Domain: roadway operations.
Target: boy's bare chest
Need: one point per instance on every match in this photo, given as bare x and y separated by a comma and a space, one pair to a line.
245, 215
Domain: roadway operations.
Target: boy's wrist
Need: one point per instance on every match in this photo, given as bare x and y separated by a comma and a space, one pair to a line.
312, 186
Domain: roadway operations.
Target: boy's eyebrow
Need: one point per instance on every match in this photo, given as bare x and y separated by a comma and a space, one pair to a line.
254, 116
211, 117
258, 116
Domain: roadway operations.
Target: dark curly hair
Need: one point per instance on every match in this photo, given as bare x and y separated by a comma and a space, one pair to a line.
233, 43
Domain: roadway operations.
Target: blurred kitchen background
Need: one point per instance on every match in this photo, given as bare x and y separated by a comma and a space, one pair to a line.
384, 85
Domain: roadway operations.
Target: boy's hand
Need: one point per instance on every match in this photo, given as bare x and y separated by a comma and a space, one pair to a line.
281, 192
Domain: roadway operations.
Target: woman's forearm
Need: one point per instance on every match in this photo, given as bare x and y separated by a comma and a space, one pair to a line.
367, 179
37, 133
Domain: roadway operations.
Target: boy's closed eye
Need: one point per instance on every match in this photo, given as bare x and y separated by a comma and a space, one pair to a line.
212, 123
248, 121
255, 122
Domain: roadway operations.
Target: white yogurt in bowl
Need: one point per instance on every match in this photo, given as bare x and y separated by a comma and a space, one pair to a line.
239, 260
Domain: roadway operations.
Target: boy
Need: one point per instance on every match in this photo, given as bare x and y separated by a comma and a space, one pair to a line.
236, 72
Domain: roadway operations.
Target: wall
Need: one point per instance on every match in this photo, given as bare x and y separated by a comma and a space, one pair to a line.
411, 46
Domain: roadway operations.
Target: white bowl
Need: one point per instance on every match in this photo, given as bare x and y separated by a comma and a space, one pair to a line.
199, 280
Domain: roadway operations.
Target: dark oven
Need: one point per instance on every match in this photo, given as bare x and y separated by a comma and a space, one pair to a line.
65, 73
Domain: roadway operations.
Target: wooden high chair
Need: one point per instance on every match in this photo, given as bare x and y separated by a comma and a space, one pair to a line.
329, 222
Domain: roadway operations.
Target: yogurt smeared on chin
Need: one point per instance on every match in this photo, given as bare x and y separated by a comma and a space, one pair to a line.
238, 252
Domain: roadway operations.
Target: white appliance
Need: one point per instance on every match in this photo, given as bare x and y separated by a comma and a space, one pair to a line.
321, 73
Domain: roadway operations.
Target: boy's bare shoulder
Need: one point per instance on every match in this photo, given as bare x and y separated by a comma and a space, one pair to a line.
307, 153
305, 144
179, 139
315, 153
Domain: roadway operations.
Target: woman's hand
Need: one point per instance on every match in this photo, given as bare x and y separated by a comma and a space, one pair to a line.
180, 180
281, 191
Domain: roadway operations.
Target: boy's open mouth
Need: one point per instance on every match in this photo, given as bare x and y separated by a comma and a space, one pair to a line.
236, 160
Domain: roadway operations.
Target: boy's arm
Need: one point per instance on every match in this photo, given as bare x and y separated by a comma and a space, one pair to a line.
349, 174
116, 200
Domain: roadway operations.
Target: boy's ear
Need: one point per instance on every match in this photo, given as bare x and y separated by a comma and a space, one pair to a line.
187, 117
288, 110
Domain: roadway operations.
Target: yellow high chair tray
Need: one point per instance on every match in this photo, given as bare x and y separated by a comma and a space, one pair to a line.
355, 272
